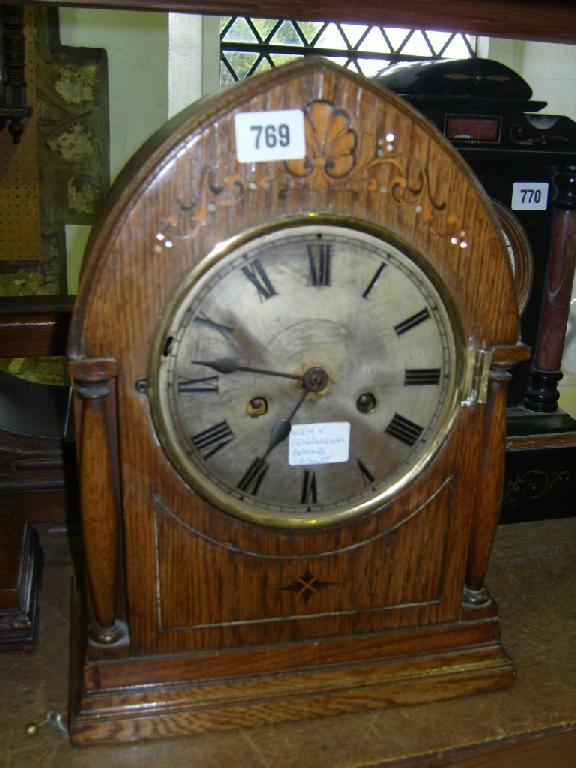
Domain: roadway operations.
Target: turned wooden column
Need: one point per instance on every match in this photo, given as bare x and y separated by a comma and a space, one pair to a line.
545, 372
489, 495
99, 493
488, 498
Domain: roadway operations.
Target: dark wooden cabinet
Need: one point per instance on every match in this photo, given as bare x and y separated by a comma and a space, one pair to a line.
512, 143
35, 481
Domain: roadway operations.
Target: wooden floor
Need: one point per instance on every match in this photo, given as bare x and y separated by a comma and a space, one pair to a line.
531, 725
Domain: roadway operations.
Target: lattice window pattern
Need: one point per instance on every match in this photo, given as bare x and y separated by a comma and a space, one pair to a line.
249, 45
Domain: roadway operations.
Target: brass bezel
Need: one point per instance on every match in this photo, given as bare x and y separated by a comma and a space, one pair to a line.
522, 253
214, 494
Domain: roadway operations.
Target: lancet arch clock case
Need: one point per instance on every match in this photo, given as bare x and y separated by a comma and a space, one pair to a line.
289, 353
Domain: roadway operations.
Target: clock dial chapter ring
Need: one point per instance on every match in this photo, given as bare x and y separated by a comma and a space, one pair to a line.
313, 371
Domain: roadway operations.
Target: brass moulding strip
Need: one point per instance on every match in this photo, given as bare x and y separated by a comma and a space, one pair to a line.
478, 362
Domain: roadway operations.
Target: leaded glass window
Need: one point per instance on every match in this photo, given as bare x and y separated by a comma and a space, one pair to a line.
249, 45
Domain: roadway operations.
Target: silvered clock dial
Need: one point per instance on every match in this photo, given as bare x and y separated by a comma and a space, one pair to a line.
306, 372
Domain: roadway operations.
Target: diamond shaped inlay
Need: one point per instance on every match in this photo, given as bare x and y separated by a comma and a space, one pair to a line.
306, 586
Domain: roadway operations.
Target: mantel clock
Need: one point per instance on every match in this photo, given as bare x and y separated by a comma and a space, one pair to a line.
290, 355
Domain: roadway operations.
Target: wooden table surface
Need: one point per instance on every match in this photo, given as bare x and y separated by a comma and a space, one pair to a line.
531, 725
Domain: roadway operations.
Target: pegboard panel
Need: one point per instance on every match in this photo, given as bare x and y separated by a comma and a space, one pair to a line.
20, 228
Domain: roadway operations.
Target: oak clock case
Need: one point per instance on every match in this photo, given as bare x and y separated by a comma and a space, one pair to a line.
290, 386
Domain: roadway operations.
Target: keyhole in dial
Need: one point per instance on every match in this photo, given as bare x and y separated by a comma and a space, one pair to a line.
366, 402
258, 406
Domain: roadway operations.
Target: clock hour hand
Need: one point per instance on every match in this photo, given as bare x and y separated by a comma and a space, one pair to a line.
229, 365
314, 380
281, 429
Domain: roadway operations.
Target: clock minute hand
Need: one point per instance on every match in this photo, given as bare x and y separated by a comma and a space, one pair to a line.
229, 365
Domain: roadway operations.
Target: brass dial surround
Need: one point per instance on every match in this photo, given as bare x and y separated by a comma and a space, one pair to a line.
519, 253
326, 320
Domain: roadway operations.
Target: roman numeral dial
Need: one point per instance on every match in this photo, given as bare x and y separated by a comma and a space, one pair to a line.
309, 487
225, 330
367, 476
320, 264
374, 279
412, 322
310, 375
207, 384
254, 476
210, 441
404, 430
421, 376
257, 275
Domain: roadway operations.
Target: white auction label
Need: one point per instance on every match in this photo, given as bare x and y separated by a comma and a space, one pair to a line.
274, 135
327, 443
530, 196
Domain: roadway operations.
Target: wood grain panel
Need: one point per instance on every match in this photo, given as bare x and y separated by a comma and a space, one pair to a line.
36, 326
531, 19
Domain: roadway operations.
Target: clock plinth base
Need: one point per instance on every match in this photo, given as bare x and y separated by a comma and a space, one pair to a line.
129, 699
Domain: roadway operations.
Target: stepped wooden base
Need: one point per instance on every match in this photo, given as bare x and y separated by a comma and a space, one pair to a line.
131, 699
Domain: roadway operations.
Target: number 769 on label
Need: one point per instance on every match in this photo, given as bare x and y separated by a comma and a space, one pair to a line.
274, 135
